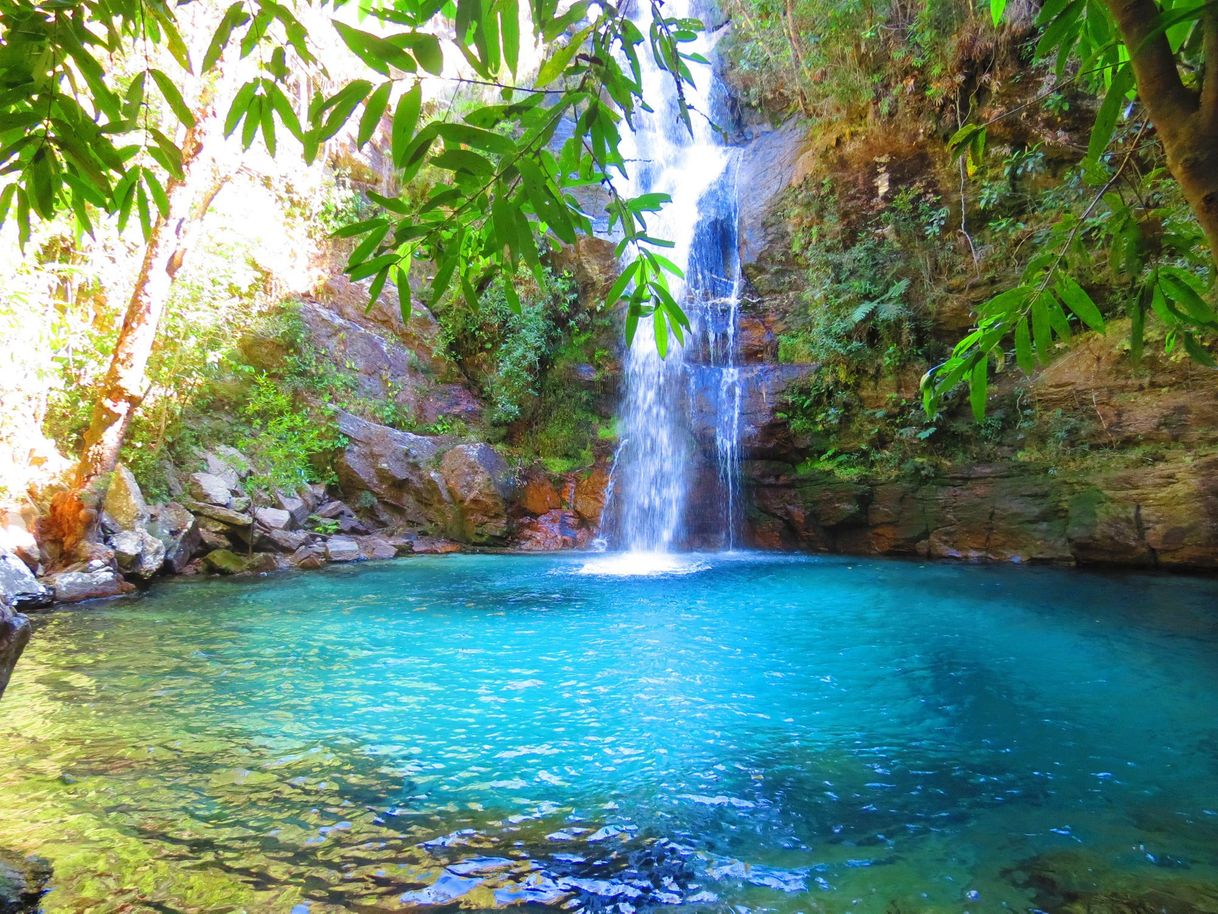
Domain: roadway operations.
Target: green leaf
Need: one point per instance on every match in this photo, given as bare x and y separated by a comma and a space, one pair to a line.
1106, 117
977, 387
1196, 352
173, 97
234, 16
997, 8
1023, 347
1078, 301
509, 29
374, 110
1042, 332
561, 58
240, 106
405, 120
660, 324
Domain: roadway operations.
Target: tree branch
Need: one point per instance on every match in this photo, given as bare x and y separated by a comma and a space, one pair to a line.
1154, 65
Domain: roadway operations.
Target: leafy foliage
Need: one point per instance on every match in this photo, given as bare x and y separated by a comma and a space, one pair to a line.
1161, 259
70, 137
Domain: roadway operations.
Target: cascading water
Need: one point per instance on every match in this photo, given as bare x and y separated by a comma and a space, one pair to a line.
672, 405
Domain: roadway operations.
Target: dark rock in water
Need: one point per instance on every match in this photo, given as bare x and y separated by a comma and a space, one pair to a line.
14, 636
23, 880
1085, 882
479, 484
92, 581
18, 586
396, 467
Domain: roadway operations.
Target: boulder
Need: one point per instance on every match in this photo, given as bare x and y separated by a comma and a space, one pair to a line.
309, 556
14, 636
209, 489
538, 495
89, 582
18, 586
224, 516
228, 464
225, 561
479, 484
297, 509
395, 466
23, 880
124, 504
282, 540
138, 552
376, 547
342, 549
273, 518
178, 531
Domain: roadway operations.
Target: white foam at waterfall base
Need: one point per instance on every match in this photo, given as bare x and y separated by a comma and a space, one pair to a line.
643, 564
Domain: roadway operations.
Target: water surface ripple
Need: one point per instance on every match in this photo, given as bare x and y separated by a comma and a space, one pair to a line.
762, 734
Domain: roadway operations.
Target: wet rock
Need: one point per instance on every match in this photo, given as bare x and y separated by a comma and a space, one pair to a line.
768, 165
479, 484
309, 556
138, 552
434, 545
538, 495
178, 531
224, 516
124, 504
14, 636
273, 518
209, 489
75, 585
550, 532
225, 561
342, 549
763, 433
23, 880
18, 586
590, 493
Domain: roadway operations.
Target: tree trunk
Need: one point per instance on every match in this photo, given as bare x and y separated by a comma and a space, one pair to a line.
74, 511
1186, 120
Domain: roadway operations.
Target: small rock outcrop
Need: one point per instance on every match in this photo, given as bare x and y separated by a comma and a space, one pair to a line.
23, 880
479, 485
14, 636
18, 586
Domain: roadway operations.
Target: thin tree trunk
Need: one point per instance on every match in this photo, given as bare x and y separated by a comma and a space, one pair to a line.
74, 511
1186, 120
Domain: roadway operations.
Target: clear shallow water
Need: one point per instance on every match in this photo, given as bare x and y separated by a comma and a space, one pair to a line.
769, 733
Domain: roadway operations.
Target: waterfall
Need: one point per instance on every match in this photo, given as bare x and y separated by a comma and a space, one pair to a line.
671, 406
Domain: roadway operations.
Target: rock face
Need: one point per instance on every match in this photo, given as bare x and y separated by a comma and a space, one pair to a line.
397, 467
14, 636
768, 166
479, 486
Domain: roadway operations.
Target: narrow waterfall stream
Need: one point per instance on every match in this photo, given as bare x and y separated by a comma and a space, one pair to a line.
681, 412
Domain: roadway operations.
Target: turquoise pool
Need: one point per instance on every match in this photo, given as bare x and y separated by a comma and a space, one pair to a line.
734, 733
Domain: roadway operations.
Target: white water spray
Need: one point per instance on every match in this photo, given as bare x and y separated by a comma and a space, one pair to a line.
659, 449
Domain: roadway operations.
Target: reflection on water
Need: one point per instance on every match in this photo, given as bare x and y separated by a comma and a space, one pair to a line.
481, 732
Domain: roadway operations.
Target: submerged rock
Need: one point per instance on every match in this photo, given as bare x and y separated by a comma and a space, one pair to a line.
14, 636
225, 561
23, 880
